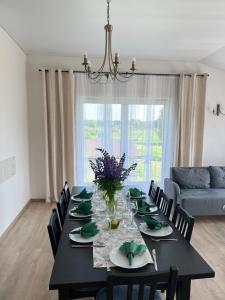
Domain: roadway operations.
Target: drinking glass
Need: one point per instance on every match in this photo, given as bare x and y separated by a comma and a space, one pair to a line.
131, 212
134, 210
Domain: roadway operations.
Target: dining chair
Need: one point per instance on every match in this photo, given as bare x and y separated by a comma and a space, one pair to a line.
165, 204
54, 231
154, 191
66, 191
62, 208
136, 286
183, 221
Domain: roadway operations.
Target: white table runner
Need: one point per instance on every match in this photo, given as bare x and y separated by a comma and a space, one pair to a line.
113, 238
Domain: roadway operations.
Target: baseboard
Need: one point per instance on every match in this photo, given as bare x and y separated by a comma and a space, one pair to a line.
37, 200
14, 221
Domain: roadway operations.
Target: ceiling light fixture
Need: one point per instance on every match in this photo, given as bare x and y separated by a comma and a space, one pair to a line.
113, 65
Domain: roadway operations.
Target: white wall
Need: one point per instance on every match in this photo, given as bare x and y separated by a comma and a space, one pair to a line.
15, 191
214, 141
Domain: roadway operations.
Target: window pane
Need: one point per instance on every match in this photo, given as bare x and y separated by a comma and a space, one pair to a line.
145, 134
102, 129
139, 174
116, 129
156, 170
142, 137
93, 127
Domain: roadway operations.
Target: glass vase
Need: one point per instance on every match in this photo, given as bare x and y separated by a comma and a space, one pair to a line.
111, 205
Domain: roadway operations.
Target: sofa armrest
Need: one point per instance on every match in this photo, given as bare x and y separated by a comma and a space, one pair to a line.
171, 189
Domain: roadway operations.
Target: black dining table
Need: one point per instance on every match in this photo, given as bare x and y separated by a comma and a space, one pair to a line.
73, 267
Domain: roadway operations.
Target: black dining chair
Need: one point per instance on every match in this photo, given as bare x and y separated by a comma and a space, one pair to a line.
62, 208
54, 231
154, 191
66, 191
165, 204
183, 221
138, 286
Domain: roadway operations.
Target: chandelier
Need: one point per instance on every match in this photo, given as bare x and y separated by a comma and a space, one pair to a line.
112, 65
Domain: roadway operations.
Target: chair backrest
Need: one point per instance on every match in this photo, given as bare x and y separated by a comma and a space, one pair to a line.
54, 231
62, 208
154, 191
140, 281
183, 221
165, 204
66, 191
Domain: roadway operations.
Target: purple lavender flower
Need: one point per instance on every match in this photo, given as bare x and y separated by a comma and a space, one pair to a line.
110, 173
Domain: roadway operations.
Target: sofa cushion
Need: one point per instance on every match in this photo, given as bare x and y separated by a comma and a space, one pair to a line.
203, 201
217, 176
191, 177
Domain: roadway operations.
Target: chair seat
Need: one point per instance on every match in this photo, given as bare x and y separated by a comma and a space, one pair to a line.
120, 293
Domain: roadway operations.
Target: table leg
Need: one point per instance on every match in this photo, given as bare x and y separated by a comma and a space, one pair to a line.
64, 294
183, 290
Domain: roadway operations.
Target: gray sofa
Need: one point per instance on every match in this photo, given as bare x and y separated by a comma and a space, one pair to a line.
200, 190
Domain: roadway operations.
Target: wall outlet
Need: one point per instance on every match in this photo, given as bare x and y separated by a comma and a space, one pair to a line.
7, 168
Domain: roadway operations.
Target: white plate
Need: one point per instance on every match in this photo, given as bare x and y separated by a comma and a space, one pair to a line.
79, 199
120, 260
79, 239
164, 231
76, 215
151, 210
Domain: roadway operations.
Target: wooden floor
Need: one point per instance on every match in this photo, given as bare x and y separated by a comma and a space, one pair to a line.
26, 258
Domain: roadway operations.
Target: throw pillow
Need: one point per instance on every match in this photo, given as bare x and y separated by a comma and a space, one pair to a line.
191, 177
217, 175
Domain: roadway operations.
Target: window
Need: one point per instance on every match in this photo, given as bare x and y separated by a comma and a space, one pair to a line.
137, 126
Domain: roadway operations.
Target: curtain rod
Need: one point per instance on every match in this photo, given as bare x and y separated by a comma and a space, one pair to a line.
124, 73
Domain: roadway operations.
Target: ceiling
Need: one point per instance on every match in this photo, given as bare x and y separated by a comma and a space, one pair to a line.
192, 30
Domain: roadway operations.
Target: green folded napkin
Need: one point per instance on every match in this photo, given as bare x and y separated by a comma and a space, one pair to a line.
84, 194
152, 223
134, 192
84, 208
88, 230
131, 249
144, 207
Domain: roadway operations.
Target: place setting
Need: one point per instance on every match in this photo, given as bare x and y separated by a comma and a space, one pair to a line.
83, 196
84, 235
145, 208
81, 211
130, 255
157, 230
135, 193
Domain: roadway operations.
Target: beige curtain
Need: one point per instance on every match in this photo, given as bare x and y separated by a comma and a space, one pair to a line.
58, 96
190, 120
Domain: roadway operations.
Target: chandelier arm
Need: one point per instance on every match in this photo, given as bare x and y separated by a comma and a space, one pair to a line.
94, 75
105, 55
111, 56
122, 77
97, 79
111, 64
126, 75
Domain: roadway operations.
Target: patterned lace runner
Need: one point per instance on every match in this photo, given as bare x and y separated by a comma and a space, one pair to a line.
113, 238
